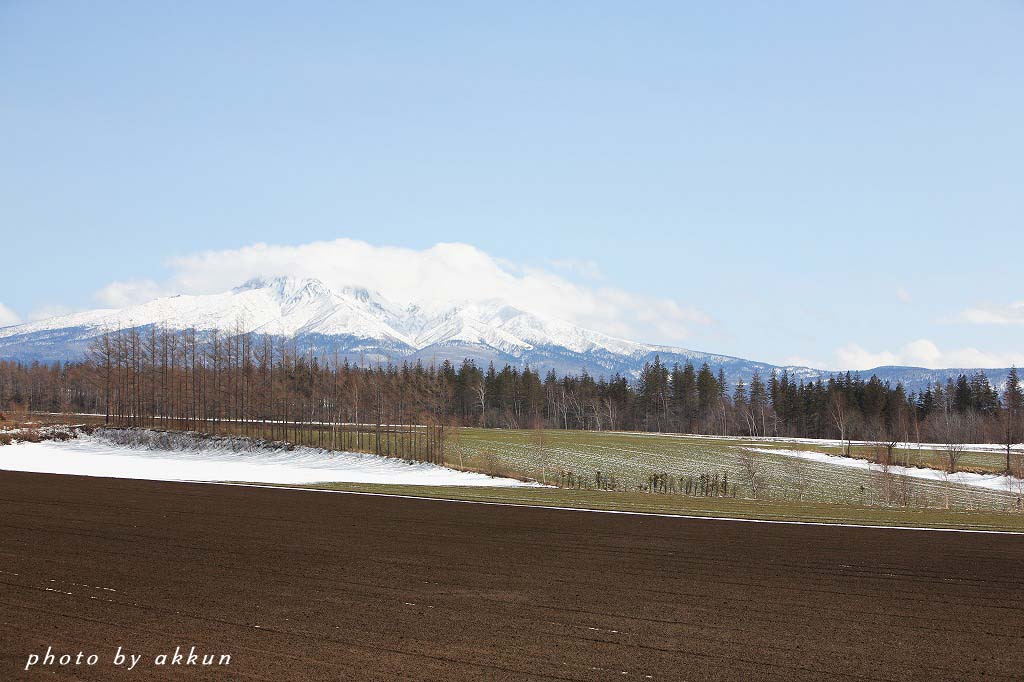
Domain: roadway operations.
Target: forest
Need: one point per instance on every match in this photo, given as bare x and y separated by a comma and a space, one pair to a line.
141, 376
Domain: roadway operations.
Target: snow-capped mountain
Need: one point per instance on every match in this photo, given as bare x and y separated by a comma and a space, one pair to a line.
365, 327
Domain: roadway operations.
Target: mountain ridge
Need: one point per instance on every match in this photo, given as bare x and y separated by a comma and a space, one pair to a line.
364, 326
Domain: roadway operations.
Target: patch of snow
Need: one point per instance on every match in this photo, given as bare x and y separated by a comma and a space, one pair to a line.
91, 456
829, 442
988, 481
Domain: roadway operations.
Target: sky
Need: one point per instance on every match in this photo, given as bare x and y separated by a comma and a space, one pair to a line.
830, 184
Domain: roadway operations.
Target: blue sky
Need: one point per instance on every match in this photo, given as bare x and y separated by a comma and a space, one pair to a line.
837, 184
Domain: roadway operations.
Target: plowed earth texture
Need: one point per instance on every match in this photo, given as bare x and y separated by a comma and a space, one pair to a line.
298, 585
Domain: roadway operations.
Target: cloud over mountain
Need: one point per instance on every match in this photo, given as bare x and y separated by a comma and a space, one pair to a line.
8, 316
921, 353
443, 272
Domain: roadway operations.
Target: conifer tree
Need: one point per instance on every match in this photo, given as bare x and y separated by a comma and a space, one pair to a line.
1013, 402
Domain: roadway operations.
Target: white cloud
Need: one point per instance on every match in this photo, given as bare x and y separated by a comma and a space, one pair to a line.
1010, 313
8, 316
584, 268
444, 272
904, 296
922, 353
802, 361
132, 292
44, 312
852, 356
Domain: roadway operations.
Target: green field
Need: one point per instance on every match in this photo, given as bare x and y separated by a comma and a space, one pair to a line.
629, 459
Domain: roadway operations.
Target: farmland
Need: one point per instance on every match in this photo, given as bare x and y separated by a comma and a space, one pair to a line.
370, 588
693, 472
629, 459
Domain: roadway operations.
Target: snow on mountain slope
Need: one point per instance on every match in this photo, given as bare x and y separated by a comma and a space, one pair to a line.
283, 307
545, 332
462, 325
362, 325
88, 319
290, 307
352, 320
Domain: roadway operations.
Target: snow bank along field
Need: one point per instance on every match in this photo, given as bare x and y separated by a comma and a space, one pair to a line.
181, 457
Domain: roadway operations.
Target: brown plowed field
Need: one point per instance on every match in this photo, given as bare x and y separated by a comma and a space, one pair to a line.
317, 586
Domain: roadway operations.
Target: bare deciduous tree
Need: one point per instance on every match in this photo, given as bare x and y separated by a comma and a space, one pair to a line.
750, 464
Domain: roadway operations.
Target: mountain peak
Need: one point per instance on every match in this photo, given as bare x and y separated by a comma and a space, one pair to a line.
250, 284
286, 287
360, 293
306, 289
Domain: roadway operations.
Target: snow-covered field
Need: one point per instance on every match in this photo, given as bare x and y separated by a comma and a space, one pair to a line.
94, 456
